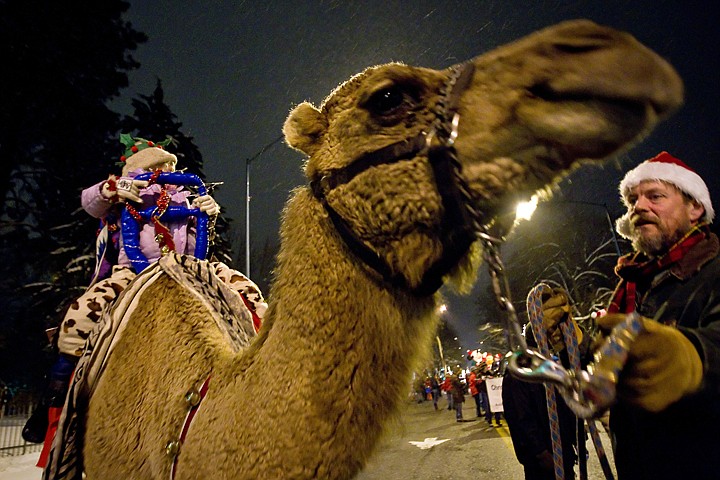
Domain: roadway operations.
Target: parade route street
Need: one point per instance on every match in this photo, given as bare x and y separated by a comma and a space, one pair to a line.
422, 444
469, 450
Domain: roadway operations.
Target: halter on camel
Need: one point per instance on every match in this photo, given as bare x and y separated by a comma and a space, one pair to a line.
588, 393
458, 227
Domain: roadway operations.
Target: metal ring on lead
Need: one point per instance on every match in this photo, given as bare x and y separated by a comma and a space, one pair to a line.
454, 132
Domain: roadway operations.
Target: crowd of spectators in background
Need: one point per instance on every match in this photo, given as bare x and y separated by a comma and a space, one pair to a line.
456, 385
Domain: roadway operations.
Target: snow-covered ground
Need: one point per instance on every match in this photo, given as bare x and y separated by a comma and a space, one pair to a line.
20, 467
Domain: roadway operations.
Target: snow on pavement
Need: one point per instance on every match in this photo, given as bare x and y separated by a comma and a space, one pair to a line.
20, 467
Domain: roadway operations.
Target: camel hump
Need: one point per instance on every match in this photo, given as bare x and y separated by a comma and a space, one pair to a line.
231, 314
198, 277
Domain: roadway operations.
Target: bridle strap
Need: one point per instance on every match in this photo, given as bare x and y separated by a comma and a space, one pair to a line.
396, 152
457, 230
393, 153
459, 223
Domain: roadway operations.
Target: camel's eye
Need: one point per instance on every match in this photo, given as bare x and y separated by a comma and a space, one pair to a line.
386, 101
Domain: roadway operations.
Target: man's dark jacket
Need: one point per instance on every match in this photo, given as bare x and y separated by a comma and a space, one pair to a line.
683, 441
525, 412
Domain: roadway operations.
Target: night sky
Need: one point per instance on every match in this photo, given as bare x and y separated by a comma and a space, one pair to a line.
232, 70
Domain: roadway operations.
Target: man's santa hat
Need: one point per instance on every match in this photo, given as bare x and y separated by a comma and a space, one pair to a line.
668, 169
144, 154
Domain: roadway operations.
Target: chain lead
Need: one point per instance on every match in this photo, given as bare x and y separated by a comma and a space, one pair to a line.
501, 288
588, 393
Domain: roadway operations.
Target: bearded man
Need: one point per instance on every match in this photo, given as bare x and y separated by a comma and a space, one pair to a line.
666, 423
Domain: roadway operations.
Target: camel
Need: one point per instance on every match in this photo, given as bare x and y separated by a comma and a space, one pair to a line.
364, 247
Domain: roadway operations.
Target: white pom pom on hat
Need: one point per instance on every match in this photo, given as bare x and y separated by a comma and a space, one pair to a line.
668, 169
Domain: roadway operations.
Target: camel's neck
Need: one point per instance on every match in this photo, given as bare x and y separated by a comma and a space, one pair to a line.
340, 346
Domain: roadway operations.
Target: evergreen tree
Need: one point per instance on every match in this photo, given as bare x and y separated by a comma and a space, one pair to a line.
62, 64
153, 119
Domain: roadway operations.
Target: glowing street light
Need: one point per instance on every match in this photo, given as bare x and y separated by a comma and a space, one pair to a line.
525, 210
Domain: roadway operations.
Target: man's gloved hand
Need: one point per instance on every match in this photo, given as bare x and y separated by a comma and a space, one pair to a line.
663, 365
556, 310
207, 204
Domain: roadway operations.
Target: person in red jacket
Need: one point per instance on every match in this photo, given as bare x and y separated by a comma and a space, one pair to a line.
474, 384
447, 388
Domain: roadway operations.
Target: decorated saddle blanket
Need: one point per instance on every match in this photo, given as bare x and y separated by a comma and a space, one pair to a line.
227, 308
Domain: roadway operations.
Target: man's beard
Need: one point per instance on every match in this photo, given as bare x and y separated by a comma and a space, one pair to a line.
658, 244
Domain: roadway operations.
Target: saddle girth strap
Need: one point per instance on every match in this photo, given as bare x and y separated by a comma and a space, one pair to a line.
193, 399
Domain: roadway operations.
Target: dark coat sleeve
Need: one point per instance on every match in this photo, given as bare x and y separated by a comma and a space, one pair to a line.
526, 415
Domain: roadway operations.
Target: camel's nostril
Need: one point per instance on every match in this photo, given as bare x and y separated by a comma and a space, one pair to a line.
544, 91
575, 48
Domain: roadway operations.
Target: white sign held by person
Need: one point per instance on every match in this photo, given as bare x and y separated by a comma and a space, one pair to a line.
494, 386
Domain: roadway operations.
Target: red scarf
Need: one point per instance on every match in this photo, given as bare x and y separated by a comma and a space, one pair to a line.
635, 267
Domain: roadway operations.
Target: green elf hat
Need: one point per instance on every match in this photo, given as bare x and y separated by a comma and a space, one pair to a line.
144, 154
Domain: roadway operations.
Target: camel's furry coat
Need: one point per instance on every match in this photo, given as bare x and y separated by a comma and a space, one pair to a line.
308, 398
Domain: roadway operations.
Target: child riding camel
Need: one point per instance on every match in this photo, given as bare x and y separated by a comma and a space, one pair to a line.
115, 270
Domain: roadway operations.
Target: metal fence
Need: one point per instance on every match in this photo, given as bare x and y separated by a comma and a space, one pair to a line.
13, 416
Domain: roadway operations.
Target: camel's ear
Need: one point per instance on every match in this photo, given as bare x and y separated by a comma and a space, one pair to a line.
304, 128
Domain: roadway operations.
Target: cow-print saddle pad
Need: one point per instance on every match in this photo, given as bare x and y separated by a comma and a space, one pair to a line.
230, 313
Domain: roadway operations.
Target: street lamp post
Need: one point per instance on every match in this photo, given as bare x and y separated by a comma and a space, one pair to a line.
441, 310
247, 217
442, 357
248, 161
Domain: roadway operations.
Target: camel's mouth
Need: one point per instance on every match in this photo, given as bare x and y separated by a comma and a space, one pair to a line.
586, 126
549, 94
581, 101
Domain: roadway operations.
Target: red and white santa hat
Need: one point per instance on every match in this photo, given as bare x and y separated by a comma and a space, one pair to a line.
669, 169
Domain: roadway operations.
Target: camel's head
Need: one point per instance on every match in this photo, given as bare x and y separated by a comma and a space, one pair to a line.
528, 113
